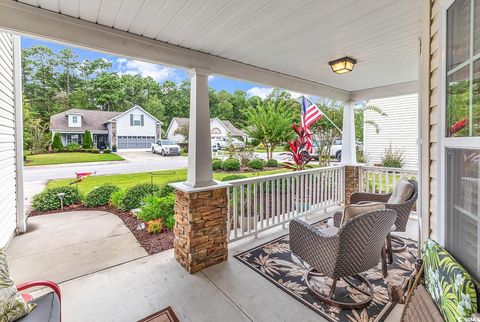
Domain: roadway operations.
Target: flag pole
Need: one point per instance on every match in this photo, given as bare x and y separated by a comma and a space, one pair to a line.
328, 119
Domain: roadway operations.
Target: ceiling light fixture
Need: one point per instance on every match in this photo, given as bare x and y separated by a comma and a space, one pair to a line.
342, 65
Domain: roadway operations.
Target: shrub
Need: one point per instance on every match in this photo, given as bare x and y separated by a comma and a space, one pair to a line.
255, 142
166, 190
95, 150
87, 140
133, 196
256, 164
57, 142
392, 158
155, 226
157, 207
232, 177
49, 200
245, 156
116, 198
272, 163
231, 165
100, 196
73, 147
286, 147
170, 222
217, 164
106, 151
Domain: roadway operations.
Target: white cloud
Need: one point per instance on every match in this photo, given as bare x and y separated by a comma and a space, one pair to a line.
261, 92
135, 67
211, 77
265, 91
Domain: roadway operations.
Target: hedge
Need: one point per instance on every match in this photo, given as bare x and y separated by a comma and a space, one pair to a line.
272, 163
49, 200
256, 164
217, 165
231, 165
100, 196
133, 196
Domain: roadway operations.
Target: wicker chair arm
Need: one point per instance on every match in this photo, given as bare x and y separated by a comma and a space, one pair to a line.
314, 247
337, 218
365, 196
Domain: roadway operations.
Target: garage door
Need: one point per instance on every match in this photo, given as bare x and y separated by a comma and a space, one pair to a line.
135, 142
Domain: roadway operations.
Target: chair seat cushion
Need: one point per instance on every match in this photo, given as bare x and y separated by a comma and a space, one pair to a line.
402, 191
12, 304
354, 210
47, 310
448, 283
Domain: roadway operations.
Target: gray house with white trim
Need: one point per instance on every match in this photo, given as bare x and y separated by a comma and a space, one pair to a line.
132, 129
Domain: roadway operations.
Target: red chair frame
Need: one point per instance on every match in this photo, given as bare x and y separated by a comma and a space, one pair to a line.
49, 284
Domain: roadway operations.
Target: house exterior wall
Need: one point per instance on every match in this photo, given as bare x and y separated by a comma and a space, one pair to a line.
125, 129
399, 129
217, 129
171, 133
8, 171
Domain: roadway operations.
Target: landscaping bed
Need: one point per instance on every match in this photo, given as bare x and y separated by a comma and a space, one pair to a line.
152, 243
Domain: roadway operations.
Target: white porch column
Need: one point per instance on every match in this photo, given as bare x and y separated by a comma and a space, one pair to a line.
349, 155
199, 147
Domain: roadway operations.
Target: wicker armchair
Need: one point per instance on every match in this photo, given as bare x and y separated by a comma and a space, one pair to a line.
344, 253
403, 210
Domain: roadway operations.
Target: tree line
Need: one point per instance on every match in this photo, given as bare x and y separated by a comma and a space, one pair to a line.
57, 81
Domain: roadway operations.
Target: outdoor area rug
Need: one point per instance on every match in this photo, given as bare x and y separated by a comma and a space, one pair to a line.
274, 261
165, 315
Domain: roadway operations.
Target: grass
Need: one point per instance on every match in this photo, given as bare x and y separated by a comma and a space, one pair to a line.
69, 157
124, 181
261, 149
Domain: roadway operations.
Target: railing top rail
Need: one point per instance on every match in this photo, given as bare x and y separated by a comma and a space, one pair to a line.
388, 169
241, 182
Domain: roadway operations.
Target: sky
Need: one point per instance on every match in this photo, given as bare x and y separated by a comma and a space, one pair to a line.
158, 72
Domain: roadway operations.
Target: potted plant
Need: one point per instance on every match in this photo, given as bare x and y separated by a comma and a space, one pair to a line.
114, 148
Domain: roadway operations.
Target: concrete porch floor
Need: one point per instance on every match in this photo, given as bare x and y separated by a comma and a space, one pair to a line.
139, 287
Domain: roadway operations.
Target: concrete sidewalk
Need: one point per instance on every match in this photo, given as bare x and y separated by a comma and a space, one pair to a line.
63, 246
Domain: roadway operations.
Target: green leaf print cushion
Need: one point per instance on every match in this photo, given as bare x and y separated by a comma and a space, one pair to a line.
12, 304
449, 284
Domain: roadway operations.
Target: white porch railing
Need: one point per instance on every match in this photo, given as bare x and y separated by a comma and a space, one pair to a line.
382, 180
257, 204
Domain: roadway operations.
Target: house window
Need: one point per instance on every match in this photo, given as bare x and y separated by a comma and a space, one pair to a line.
74, 119
136, 120
461, 142
74, 139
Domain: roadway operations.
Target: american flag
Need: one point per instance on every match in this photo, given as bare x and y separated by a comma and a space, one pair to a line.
310, 114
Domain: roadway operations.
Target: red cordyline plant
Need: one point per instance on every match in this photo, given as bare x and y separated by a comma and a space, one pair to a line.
298, 150
457, 127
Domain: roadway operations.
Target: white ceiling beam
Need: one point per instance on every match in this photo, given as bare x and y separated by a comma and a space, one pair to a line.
27, 20
385, 91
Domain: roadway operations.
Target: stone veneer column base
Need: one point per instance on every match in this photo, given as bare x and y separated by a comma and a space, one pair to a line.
352, 181
200, 228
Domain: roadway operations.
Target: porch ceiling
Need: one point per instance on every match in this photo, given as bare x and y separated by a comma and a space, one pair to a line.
296, 38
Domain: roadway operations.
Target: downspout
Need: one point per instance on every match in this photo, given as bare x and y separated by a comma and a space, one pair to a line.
20, 192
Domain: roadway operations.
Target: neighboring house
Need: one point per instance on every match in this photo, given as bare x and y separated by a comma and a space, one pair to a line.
398, 129
218, 129
132, 129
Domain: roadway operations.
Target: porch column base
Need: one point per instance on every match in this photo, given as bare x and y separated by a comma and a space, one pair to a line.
352, 181
200, 226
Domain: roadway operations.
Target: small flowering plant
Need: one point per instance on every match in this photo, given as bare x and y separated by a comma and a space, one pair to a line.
298, 150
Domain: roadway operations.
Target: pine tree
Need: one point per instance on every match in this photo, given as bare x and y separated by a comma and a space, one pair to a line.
87, 140
57, 142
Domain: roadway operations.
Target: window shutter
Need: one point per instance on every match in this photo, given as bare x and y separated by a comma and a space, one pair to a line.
131, 119
141, 120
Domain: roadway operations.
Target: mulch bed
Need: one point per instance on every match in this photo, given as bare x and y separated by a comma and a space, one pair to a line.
152, 243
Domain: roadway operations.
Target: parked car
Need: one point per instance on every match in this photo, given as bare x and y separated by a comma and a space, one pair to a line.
238, 144
336, 148
166, 147
214, 145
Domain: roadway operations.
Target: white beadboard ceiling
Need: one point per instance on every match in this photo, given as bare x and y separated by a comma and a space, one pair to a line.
298, 37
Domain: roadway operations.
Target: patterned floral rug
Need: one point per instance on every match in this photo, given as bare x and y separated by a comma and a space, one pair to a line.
274, 261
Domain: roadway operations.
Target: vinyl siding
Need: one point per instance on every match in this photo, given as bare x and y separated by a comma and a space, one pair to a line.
398, 129
7, 141
434, 110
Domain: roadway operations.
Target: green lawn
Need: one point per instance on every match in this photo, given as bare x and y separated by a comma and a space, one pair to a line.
261, 149
69, 157
127, 180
